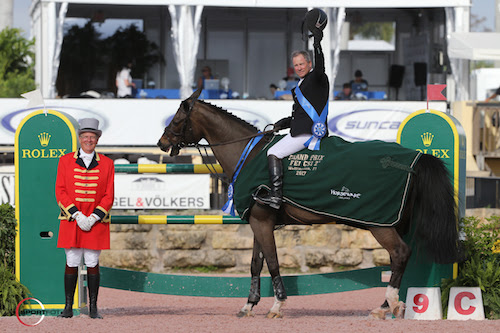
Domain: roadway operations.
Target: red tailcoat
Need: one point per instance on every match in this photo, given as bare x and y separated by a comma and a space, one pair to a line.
88, 190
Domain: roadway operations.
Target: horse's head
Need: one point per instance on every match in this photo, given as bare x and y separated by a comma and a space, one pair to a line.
180, 132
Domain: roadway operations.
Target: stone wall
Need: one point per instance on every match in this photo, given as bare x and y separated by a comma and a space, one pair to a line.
167, 248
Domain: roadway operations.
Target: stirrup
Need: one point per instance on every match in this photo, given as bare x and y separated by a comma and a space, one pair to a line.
267, 199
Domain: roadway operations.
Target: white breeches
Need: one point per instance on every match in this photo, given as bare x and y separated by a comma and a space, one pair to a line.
74, 257
288, 145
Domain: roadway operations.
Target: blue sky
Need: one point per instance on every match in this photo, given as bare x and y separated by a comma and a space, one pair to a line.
485, 8
482, 8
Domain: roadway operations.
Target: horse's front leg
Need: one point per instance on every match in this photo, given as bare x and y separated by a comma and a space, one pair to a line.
255, 269
400, 253
262, 221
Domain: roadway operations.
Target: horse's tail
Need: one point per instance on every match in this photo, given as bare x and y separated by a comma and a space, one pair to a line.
436, 211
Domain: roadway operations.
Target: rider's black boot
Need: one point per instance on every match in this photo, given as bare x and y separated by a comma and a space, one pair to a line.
93, 280
275, 197
69, 291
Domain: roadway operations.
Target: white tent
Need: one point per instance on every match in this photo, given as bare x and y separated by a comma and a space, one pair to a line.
48, 18
474, 45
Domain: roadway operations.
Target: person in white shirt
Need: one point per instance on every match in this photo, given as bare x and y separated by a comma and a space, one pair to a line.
124, 82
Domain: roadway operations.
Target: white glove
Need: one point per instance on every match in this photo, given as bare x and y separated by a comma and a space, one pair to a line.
91, 220
81, 220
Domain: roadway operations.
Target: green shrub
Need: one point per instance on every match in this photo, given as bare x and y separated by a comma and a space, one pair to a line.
7, 236
11, 290
480, 269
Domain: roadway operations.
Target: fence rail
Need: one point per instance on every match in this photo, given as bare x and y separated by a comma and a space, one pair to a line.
168, 168
176, 219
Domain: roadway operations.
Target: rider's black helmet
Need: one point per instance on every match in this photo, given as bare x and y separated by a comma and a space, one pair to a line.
315, 19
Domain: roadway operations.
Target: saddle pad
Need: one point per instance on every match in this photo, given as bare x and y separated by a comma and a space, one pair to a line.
361, 183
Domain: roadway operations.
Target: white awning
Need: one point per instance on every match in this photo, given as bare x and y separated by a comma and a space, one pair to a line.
474, 45
285, 3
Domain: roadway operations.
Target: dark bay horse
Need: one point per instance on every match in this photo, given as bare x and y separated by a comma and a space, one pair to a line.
431, 196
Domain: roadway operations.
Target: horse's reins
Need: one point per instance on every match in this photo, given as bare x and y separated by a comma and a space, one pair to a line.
212, 165
236, 140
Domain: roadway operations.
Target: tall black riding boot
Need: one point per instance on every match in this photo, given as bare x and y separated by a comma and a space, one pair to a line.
69, 290
93, 279
275, 197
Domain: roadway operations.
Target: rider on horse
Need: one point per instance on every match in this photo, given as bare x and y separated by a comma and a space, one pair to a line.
308, 121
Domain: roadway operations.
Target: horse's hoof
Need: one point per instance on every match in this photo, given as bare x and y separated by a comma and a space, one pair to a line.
399, 310
273, 315
242, 314
379, 313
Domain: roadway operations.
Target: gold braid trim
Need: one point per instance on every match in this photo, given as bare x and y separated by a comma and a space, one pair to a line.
64, 213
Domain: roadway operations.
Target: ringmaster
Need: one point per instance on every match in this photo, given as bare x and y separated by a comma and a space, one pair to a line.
310, 109
85, 193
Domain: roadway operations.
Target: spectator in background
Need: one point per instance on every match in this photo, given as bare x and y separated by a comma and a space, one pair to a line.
206, 74
291, 79
124, 82
495, 94
345, 94
273, 88
358, 84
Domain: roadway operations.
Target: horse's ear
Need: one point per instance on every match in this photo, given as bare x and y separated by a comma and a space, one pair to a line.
196, 94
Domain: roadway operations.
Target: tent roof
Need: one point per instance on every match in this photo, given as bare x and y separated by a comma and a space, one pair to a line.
284, 3
474, 45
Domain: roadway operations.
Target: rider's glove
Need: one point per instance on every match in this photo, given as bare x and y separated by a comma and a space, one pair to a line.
282, 123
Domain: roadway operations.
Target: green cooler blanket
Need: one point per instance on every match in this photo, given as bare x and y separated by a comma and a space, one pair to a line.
361, 183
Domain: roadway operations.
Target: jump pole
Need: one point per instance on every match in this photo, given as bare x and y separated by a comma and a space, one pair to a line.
169, 168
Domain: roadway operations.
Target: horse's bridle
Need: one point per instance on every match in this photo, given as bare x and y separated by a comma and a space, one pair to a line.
186, 124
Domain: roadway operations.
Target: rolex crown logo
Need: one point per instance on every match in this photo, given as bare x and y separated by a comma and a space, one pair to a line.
427, 138
44, 139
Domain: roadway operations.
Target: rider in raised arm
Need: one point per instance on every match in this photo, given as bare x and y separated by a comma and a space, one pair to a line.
308, 121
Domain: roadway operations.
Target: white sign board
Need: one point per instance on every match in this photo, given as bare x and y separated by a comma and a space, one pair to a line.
143, 191
153, 191
7, 186
141, 122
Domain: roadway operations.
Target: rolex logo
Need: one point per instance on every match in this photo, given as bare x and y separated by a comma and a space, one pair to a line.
44, 139
427, 138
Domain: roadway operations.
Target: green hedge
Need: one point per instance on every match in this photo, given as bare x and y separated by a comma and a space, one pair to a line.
481, 266
11, 290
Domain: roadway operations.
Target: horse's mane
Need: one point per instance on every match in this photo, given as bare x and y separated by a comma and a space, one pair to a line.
229, 114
